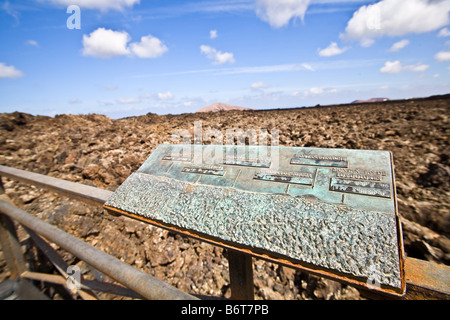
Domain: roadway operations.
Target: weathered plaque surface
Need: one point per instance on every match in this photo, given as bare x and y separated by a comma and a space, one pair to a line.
329, 211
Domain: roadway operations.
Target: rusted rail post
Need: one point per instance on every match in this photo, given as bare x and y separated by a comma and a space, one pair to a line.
11, 247
9, 242
241, 275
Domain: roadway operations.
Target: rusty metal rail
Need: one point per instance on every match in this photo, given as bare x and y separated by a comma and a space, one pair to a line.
141, 283
424, 279
81, 192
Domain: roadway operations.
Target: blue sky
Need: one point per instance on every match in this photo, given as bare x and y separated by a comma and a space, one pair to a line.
131, 57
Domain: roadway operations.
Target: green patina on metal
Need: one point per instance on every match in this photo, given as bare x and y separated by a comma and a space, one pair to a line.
336, 210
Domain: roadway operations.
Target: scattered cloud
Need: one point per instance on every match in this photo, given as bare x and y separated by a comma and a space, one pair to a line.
396, 18
6, 6
106, 43
165, 96
162, 96
314, 91
442, 56
331, 50
217, 56
397, 67
149, 47
74, 101
213, 34
259, 85
278, 13
399, 45
444, 32
366, 43
102, 5
419, 67
307, 66
32, 43
294, 67
392, 67
9, 72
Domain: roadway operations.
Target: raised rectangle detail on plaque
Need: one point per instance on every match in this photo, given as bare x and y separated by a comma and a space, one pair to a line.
304, 178
360, 174
248, 162
216, 171
319, 160
328, 211
168, 157
367, 188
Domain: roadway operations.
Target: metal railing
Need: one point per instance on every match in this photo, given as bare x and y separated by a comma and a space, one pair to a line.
424, 280
141, 284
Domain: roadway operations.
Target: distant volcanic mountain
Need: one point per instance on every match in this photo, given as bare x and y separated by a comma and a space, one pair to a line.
221, 107
372, 100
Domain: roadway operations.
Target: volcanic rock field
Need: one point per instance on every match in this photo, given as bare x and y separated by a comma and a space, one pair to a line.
98, 151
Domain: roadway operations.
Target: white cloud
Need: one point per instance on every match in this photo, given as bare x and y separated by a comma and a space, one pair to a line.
399, 45
444, 33
219, 57
213, 34
105, 43
307, 66
149, 47
397, 18
331, 50
32, 43
165, 95
397, 67
417, 67
278, 13
6, 6
9, 71
443, 56
367, 42
316, 91
392, 67
102, 5
259, 85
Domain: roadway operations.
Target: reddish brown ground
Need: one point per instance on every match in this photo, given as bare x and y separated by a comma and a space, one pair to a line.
96, 150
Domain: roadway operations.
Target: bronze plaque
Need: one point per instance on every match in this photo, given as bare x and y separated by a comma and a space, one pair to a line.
332, 212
